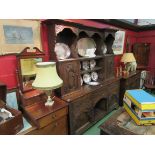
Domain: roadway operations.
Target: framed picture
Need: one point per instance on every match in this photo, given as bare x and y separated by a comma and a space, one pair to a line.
16, 34
118, 44
11, 99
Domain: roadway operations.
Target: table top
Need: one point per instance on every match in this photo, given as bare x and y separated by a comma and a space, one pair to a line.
120, 123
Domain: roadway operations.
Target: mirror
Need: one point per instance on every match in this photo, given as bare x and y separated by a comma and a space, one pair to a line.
28, 71
27, 68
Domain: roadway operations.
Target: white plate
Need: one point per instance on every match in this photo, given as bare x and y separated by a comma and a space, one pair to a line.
92, 64
86, 47
86, 78
94, 76
85, 65
93, 83
62, 51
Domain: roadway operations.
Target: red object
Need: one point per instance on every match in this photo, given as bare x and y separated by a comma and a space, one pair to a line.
8, 71
8, 63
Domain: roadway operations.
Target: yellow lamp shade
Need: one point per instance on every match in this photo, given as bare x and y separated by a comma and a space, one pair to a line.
47, 77
128, 57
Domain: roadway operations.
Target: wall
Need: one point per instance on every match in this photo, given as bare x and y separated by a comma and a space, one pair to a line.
132, 38
8, 64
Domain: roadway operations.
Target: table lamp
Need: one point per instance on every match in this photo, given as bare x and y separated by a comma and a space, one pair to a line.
47, 79
129, 61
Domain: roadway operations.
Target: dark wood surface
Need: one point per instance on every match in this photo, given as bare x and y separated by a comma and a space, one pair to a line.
132, 81
73, 24
141, 52
90, 104
70, 74
110, 126
31, 97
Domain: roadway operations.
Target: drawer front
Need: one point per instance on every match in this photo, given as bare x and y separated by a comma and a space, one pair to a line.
52, 117
59, 127
32, 100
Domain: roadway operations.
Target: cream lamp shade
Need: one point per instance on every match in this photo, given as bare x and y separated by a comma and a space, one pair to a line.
47, 79
128, 57
129, 61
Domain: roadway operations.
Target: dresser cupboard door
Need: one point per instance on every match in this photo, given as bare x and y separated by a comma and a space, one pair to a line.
141, 53
69, 72
80, 113
113, 98
109, 67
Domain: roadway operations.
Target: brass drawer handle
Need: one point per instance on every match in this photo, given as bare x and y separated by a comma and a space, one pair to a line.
54, 116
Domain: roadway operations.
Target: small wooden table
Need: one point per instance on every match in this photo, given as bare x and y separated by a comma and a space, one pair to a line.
120, 123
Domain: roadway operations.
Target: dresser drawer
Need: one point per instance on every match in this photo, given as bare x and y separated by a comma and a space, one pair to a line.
44, 121
59, 127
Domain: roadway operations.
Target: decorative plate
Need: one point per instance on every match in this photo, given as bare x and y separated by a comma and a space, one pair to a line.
85, 65
92, 64
62, 51
93, 83
94, 76
86, 47
86, 78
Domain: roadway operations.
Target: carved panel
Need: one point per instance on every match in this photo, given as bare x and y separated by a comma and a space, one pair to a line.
141, 53
109, 67
69, 72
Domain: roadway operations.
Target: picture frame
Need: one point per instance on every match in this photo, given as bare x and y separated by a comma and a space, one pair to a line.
12, 99
118, 44
16, 34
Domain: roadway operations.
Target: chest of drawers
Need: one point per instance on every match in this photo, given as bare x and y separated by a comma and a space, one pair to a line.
49, 120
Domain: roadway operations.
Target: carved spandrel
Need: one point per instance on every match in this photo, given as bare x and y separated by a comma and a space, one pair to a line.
60, 28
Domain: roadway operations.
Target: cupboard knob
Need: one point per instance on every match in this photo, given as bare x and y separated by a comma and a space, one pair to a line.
54, 116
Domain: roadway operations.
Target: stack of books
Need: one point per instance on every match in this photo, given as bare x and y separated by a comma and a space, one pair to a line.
140, 105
